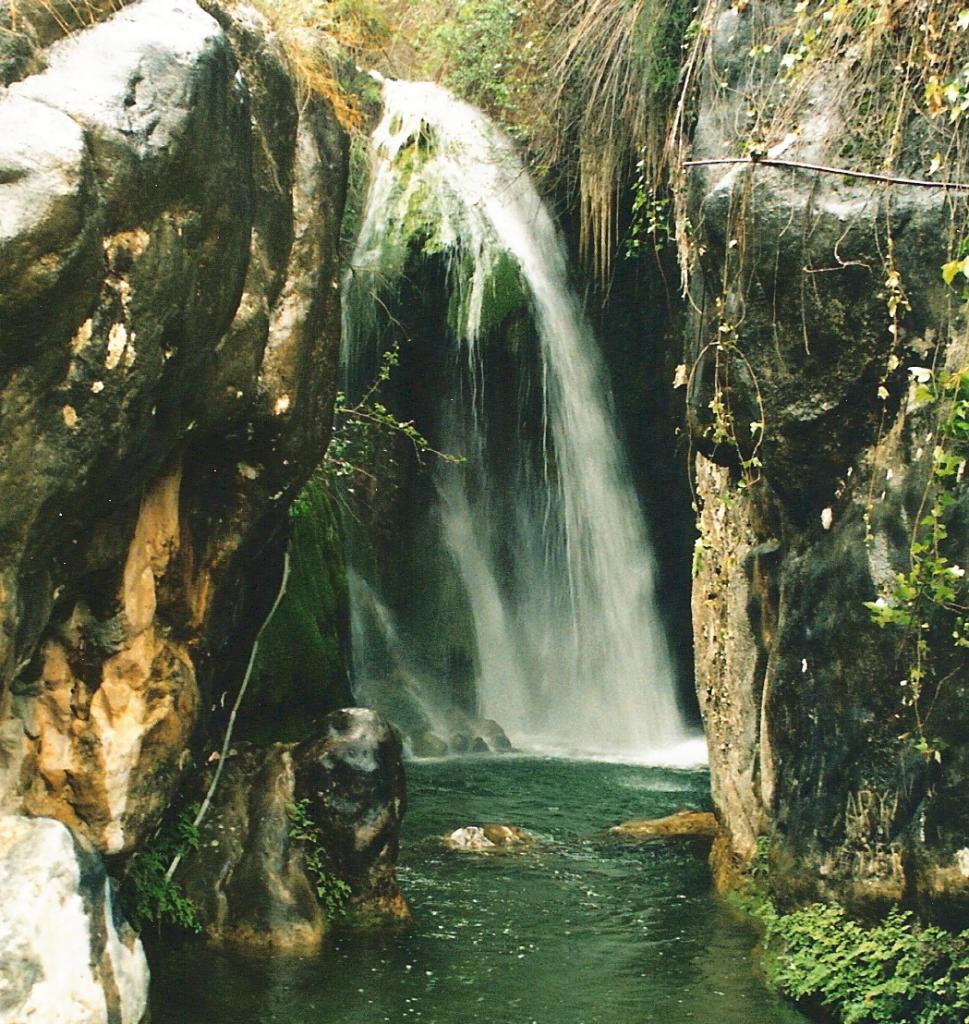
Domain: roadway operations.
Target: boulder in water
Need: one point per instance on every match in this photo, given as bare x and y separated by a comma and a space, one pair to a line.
427, 744
488, 838
302, 838
682, 824
492, 735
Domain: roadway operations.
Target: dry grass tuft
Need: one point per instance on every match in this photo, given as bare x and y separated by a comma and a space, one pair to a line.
613, 75
322, 39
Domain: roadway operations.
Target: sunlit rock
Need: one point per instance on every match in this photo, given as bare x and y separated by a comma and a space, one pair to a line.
682, 824
488, 838
169, 221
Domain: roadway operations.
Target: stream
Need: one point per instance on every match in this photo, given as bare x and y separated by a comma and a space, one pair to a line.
581, 929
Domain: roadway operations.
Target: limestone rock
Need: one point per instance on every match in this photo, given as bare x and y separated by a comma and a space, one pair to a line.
353, 777
802, 694
488, 839
249, 879
427, 744
169, 323
681, 825
492, 735
66, 954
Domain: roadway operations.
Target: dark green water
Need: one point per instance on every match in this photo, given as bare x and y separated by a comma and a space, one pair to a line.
585, 929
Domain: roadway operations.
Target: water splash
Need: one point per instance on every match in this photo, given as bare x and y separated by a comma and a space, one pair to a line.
547, 537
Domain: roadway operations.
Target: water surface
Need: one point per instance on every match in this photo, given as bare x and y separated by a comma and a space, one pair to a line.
585, 929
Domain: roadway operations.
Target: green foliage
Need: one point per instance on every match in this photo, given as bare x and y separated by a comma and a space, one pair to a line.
650, 226
363, 428
895, 972
929, 602
148, 895
300, 671
333, 892
480, 38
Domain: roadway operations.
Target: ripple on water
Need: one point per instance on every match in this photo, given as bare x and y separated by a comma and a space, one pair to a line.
580, 929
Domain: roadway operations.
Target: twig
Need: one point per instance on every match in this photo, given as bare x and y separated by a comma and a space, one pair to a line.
235, 710
961, 186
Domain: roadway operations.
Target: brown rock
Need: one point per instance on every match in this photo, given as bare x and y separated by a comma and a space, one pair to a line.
488, 838
682, 825
169, 323
250, 878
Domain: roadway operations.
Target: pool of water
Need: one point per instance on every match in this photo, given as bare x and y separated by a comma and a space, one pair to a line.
581, 929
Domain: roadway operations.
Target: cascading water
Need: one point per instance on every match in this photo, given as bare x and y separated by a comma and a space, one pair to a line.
540, 521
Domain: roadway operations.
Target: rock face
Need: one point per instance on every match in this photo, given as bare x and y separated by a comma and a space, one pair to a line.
818, 294
65, 953
253, 880
169, 321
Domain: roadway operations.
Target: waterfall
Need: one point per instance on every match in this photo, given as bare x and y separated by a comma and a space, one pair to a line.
541, 521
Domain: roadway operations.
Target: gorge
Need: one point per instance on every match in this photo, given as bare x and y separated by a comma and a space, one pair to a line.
558, 378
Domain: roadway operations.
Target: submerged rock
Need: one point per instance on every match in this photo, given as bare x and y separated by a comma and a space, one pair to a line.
682, 824
291, 826
464, 736
427, 744
488, 838
66, 954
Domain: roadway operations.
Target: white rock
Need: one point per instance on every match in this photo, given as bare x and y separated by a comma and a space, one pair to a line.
471, 837
65, 954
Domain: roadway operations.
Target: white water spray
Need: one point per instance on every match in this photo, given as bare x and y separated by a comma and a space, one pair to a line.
571, 655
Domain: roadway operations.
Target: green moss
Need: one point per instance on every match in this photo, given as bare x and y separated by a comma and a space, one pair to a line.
300, 672
504, 295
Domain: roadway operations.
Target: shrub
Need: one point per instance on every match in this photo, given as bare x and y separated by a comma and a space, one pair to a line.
895, 972
148, 895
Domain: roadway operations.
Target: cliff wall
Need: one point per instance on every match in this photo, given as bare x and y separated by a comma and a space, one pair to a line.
169, 324
823, 362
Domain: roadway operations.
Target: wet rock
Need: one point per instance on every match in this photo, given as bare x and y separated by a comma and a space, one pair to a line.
804, 698
492, 734
488, 838
66, 954
427, 744
169, 320
682, 824
252, 880
353, 777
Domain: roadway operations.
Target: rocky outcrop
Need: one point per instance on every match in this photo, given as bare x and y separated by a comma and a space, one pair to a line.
815, 295
302, 838
66, 955
169, 215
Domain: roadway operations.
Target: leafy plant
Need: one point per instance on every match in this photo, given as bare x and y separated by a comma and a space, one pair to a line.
333, 892
366, 424
148, 894
929, 602
895, 972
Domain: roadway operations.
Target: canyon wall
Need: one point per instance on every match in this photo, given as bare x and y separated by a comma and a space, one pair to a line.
170, 324
821, 347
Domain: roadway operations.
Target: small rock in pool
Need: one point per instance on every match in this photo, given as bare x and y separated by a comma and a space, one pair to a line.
488, 838
683, 824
